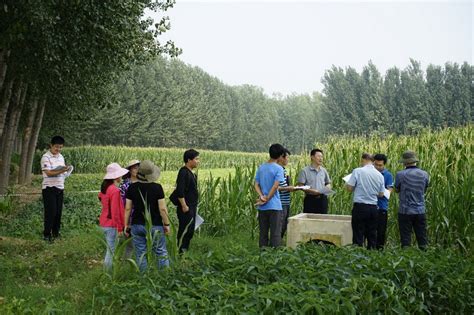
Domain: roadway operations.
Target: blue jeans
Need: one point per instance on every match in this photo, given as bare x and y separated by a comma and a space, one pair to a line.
159, 245
110, 238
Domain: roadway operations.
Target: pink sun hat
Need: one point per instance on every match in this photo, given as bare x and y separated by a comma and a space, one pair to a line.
114, 170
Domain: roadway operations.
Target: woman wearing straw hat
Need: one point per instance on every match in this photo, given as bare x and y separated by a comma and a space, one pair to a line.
128, 179
111, 217
146, 195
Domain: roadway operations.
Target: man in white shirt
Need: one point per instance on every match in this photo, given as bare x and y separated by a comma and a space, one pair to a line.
54, 172
367, 183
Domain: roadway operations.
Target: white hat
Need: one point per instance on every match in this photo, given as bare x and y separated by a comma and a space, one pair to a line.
114, 171
132, 163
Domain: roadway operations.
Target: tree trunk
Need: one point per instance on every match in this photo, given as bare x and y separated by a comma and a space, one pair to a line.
26, 141
5, 104
34, 141
4, 53
11, 128
17, 146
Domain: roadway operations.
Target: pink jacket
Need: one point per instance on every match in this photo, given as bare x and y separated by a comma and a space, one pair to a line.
113, 212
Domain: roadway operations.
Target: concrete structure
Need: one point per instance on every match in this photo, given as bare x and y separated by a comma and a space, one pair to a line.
306, 227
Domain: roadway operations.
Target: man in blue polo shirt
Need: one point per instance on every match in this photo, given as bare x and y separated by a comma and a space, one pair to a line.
382, 204
367, 184
411, 184
268, 178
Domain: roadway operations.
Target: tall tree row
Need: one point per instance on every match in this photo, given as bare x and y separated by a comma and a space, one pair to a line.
59, 58
401, 102
167, 103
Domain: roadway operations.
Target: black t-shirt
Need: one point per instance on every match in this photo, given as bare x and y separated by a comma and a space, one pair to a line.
151, 192
186, 186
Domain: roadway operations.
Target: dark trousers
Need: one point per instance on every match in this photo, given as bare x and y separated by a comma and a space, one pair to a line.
187, 222
381, 228
409, 222
53, 208
315, 204
269, 221
285, 214
364, 224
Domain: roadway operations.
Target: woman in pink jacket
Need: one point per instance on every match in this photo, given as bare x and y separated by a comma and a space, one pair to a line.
112, 216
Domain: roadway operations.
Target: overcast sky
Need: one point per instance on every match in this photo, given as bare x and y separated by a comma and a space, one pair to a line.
286, 46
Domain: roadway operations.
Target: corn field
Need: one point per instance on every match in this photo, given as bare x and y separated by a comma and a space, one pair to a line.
227, 198
94, 159
227, 203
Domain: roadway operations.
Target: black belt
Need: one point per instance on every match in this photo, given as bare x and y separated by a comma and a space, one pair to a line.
365, 204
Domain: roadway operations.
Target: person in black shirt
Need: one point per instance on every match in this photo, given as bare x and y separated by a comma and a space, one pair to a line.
187, 193
144, 195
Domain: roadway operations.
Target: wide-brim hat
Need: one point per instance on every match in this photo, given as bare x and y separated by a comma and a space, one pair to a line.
132, 163
409, 157
148, 172
114, 170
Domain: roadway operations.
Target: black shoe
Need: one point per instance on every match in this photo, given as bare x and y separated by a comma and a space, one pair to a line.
48, 239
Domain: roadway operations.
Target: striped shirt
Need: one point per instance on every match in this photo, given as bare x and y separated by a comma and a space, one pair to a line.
51, 162
285, 195
412, 183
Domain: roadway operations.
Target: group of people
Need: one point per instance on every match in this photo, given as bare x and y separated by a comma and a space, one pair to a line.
371, 185
127, 205
128, 194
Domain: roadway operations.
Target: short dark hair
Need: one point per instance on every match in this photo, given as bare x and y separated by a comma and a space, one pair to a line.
57, 140
367, 156
381, 157
190, 154
276, 150
313, 152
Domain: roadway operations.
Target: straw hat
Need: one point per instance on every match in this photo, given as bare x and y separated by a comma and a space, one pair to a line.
114, 171
148, 172
132, 163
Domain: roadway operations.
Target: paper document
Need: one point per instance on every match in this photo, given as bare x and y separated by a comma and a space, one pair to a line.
69, 171
347, 177
199, 221
386, 194
302, 187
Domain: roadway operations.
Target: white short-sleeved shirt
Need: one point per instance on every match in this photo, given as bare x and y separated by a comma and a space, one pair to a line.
51, 162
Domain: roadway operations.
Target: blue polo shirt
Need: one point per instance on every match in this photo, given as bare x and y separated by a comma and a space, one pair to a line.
382, 202
412, 183
267, 175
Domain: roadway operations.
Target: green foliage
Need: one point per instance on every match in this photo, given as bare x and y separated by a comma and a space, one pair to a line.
94, 159
234, 279
225, 273
402, 102
167, 103
7, 204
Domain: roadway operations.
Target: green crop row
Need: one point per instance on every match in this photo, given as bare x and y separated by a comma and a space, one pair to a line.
94, 159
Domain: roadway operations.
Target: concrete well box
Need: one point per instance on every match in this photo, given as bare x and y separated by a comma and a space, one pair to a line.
306, 227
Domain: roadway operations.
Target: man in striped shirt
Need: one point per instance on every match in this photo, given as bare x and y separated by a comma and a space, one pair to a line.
285, 188
55, 171
411, 183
